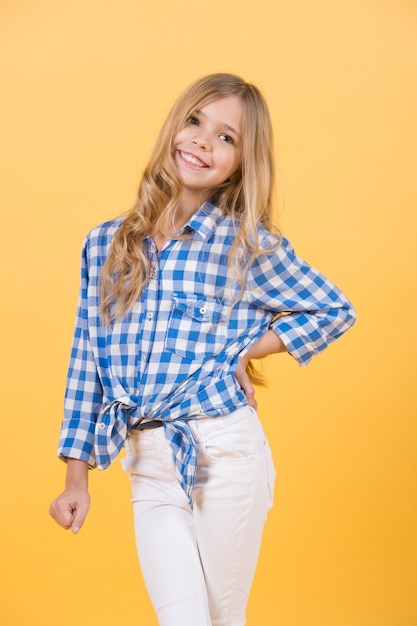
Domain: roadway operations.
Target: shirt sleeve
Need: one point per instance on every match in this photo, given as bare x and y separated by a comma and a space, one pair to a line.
309, 310
83, 395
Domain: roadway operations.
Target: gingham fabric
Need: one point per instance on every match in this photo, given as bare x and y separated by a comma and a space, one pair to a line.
173, 357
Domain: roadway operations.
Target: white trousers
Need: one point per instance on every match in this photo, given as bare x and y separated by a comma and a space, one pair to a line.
198, 561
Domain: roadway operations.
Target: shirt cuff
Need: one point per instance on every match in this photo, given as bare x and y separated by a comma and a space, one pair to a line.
301, 337
77, 441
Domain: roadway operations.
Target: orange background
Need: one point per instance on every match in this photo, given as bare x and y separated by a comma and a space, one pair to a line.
85, 88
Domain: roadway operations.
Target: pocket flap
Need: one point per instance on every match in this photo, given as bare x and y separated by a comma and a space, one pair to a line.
199, 309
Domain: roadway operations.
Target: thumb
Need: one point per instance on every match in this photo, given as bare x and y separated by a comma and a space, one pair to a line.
77, 522
250, 397
249, 392
79, 515
245, 382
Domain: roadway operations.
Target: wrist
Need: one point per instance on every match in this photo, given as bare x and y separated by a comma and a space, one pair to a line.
77, 474
267, 344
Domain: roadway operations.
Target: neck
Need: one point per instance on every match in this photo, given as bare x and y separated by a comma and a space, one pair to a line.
188, 204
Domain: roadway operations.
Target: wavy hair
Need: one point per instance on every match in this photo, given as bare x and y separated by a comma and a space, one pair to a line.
246, 197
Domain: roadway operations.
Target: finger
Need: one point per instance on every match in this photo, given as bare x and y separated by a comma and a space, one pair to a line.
251, 400
79, 518
62, 515
253, 403
248, 390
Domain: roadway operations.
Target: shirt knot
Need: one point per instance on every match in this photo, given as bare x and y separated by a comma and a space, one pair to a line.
111, 432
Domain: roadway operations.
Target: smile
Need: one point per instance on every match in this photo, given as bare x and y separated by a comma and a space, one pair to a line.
191, 159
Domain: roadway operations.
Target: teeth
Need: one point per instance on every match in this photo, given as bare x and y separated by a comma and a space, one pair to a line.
191, 159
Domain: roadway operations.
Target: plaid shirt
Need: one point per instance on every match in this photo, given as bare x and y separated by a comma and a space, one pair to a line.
173, 357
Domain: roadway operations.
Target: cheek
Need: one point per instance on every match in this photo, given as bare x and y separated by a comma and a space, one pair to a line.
235, 163
177, 140
228, 160
181, 136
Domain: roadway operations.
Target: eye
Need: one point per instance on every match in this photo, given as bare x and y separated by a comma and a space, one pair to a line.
226, 138
193, 120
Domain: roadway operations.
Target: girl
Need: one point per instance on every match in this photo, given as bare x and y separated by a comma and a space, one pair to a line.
176, 298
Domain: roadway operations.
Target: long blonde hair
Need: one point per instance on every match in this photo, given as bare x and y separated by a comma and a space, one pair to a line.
246, 197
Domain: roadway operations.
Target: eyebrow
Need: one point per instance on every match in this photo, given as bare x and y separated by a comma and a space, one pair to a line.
233, 130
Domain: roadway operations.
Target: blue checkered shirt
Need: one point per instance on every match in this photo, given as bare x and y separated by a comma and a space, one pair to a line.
173, 357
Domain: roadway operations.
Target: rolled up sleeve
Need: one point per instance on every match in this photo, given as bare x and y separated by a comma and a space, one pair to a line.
310, 312
84, 395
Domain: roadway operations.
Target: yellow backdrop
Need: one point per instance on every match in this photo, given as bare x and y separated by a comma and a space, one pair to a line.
85, 86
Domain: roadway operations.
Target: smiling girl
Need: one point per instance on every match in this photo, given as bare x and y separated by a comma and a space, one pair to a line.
176, 298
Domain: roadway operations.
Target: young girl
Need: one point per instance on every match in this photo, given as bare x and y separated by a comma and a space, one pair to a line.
176, 298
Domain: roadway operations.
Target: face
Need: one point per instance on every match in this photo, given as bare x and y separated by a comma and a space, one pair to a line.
208, 148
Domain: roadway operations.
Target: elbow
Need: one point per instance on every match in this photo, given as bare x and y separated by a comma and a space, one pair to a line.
346, 317
350, 314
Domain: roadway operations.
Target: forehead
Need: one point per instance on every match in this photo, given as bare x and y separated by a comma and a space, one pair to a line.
226, 111
230, 106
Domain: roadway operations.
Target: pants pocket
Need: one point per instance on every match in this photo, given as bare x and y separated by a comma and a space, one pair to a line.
227, 438
270, 470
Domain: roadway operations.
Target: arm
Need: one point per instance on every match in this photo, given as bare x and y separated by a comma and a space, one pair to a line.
315, 311
83, 400
70, 508
310, 312
84, 393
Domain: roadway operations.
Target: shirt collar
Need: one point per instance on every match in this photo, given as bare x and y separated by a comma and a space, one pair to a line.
204, 220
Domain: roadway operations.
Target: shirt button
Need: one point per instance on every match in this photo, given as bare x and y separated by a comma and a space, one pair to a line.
203, 310
149, 315
143, 357
102, 426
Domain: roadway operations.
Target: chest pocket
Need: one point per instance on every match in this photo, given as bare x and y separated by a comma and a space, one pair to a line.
196, 328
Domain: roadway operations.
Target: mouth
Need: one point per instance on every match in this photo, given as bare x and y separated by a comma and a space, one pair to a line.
192, 160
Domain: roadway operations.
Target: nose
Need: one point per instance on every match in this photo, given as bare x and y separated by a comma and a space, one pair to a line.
201, 140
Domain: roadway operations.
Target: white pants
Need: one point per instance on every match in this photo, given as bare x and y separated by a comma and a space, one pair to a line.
198, 561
